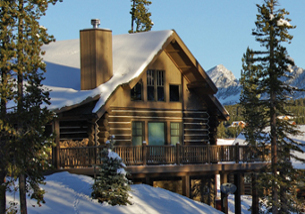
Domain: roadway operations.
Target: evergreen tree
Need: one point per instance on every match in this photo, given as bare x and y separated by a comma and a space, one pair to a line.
269, 68
111, 185
6, 93
140, 16
23, 37
254, 115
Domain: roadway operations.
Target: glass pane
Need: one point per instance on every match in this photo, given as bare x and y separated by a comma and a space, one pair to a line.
156, 135
150, 93
136, 92
174, 125
137, 133
175, 133
160, 78
174, 93
137, 141
174, 140
160, 93
150, 78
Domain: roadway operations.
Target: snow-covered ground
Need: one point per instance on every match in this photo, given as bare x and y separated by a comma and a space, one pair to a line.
70, 194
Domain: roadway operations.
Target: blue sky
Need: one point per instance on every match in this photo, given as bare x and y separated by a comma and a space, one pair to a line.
215, 31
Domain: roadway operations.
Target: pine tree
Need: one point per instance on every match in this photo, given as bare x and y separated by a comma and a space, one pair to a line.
27, 145
111, 185
140, 16
265, 97
6, 93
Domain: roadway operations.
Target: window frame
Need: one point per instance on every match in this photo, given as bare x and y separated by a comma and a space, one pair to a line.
179, 92
155, 81
179, 133
137, 135
134, 98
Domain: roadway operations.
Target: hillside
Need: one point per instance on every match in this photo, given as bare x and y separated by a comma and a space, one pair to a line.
70, 194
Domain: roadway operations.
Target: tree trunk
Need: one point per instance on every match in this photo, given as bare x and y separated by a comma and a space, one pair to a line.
2, 192
22, 192
22, 180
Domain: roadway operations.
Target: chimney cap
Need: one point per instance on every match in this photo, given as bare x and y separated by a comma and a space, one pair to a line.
95, 23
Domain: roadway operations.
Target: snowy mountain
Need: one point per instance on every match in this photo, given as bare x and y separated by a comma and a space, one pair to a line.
229, 87
227, 84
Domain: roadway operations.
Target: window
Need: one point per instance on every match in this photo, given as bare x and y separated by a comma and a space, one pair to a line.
175, 133
156, 133
137, 133
136, 91
155, 85
174, 95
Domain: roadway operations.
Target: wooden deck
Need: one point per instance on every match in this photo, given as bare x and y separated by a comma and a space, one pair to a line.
157, 160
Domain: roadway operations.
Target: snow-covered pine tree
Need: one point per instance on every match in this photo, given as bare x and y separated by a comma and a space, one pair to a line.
111, 184
264, 74
28, 143
140, 16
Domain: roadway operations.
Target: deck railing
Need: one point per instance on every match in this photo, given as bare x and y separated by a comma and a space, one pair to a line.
166, 154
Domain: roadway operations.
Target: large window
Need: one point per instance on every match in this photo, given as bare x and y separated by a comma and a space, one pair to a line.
156, 133
136, 91
155, 85
137, 133
175, 133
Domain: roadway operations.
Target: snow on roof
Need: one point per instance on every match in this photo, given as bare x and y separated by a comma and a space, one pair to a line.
131, 54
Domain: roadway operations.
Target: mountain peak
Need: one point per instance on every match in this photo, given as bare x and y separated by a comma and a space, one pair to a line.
222, 77
229, 87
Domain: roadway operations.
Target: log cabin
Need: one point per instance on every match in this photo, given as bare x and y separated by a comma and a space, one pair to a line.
148, 90
143, 87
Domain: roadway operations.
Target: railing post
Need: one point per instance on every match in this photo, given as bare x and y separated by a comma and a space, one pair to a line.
237, 152
178, 153
209, 153
144, 152
56, 156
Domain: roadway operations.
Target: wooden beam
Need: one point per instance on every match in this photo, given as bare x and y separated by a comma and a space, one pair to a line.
197, 84
57, 140
255, 207
186, 186
237, 182
224, 197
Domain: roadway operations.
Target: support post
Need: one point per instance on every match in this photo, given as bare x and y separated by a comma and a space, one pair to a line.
144, 153
237, 152
209, 153
237, 182
55, 155
186, 186
178, 153
255, 208
149, 181
224, 197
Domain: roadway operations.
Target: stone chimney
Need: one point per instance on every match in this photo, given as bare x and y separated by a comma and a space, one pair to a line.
96, 56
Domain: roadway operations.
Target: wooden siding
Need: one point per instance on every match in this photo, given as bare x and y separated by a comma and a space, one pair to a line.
73, 130
196, 127
118, 122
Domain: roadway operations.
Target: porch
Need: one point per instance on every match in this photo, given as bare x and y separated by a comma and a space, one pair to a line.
145, 155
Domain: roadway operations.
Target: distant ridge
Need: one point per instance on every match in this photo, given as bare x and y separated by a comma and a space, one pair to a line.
229, 87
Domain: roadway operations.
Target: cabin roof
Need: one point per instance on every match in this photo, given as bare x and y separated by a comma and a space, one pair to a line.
132, 53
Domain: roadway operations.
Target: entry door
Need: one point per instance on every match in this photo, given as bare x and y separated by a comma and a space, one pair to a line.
156, 134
